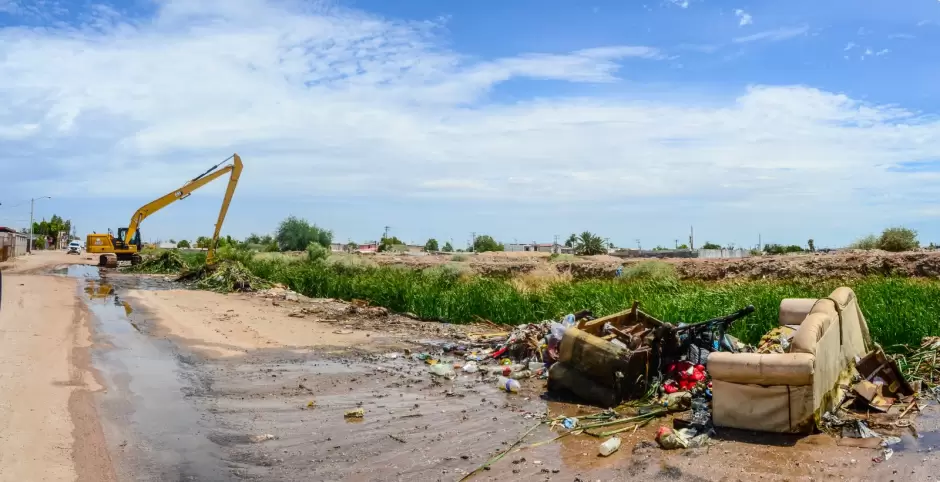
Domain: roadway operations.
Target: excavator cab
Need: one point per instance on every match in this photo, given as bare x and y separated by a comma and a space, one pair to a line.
119, 240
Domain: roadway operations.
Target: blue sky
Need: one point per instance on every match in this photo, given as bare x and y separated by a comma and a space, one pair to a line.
521, 119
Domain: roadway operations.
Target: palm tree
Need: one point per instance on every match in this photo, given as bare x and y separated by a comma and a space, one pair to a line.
572, 240
588, 244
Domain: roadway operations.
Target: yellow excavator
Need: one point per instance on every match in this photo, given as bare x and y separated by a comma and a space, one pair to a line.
126, 246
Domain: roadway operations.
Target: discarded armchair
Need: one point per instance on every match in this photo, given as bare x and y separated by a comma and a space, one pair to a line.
787, 392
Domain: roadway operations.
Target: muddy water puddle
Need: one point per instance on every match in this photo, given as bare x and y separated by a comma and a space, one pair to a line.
159, 433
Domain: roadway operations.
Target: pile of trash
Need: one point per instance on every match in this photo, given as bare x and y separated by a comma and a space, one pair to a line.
881, 404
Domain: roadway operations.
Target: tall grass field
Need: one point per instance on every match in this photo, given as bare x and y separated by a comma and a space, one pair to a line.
898, 310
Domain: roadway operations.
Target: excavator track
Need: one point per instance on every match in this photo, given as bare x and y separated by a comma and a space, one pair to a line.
108, 260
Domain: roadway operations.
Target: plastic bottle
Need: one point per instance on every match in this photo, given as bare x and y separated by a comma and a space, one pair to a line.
508, 385
471, 367
536, 366
521, 374
568, 321
443, 370
610, 446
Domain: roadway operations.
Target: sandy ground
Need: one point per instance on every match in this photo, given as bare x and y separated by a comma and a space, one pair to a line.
48, 428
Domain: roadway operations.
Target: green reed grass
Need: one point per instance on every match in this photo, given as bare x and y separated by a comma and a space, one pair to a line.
898, 310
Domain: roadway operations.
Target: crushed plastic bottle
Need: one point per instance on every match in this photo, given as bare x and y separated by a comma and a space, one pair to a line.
445, 370
536, 366
570, 423
568, 321
520, 375
471, 367
508, 385
610, 446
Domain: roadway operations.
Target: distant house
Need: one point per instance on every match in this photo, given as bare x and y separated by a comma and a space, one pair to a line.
538, 247
368, 247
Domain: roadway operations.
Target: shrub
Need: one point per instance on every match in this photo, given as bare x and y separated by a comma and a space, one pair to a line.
651, 270
459, 257
317, 252
868, 242
708, 245
447, 248
183, 244
898, 239
431, 246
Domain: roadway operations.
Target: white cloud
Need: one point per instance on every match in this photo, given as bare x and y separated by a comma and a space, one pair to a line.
336, 103
849, 46
883, 52
744, 18
679, 3
904, 36
773, 35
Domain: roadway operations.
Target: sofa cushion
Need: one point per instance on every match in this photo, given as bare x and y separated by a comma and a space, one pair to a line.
777, 369
806, 338
794, 310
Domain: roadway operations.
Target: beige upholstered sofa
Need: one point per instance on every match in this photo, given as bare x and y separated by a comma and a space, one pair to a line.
787, 392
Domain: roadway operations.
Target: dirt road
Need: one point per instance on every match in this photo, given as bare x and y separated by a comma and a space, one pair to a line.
107, 376
49, 427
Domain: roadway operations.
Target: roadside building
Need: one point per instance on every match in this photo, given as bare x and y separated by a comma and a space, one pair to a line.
12, 243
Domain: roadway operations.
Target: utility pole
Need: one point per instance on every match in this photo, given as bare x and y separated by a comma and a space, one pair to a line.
386, 232
638, 244
32, 205
760, 244
677, 244
691, 237
473, 240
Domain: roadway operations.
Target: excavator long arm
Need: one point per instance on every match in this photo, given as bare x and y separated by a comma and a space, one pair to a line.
182, 193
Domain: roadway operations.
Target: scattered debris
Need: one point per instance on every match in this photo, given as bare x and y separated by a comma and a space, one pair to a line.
357, 413
225, 276
610, 446
166, 262
261, 438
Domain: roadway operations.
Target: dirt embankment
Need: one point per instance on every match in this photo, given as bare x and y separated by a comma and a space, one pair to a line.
921, 264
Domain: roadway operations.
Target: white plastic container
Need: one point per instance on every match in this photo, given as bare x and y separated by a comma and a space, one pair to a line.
610, 446
445, 370
471, 367
508, 385
536, 366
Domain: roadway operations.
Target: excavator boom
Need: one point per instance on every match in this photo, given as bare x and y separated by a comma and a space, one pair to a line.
235, 168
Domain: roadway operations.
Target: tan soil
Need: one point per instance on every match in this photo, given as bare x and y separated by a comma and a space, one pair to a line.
228, 325
48, 428
851, 264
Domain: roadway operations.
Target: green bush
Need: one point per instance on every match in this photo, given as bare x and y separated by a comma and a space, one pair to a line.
651, 270
459, 257
316, 252
898, 239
